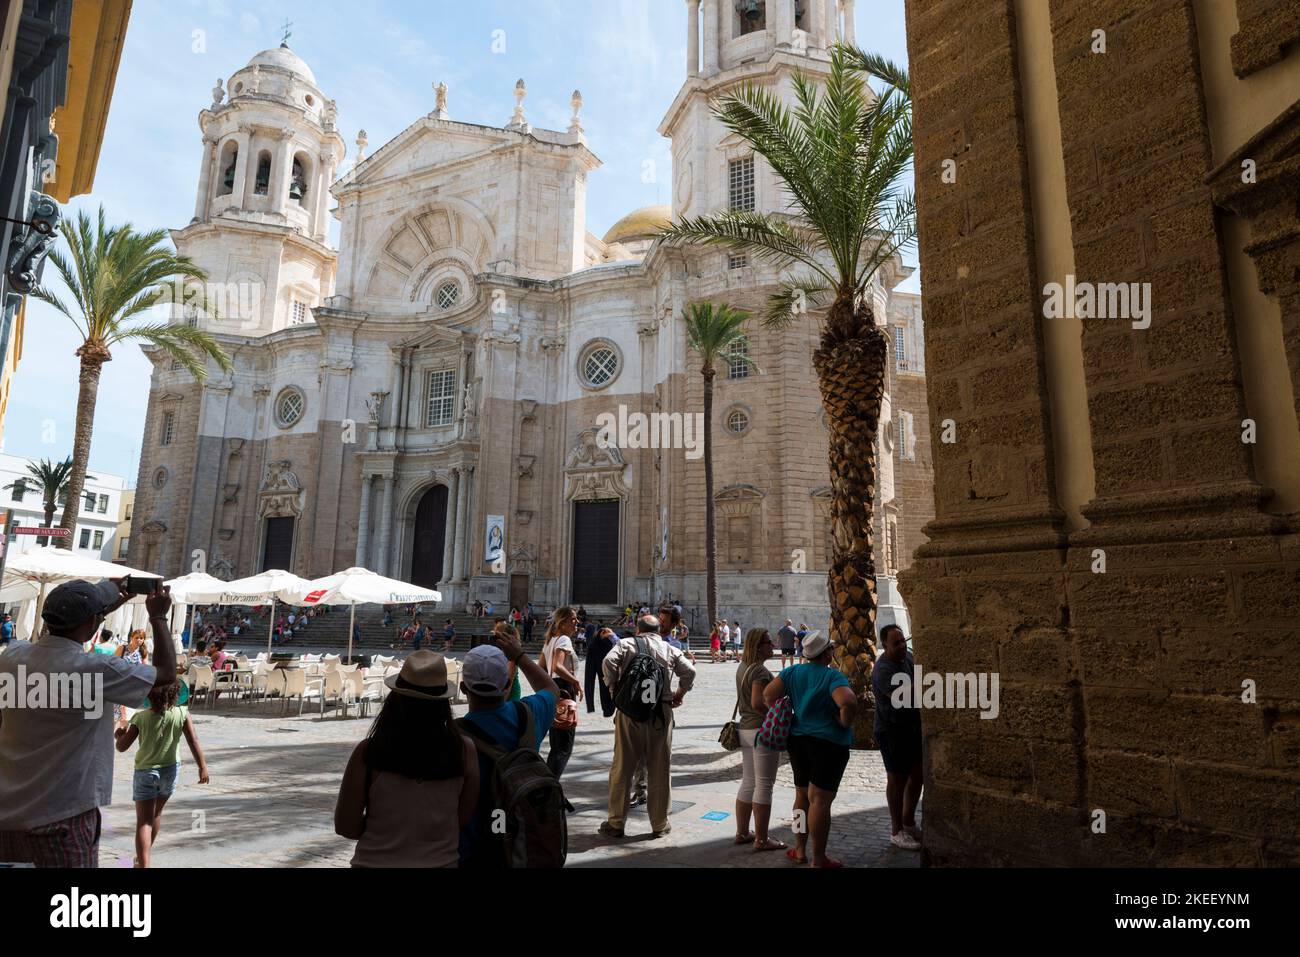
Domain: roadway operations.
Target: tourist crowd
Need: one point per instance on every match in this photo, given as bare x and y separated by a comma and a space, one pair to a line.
427, 789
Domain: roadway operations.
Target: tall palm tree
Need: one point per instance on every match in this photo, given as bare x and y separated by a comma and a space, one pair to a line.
114, 274
843, 153
712, 330
51, 478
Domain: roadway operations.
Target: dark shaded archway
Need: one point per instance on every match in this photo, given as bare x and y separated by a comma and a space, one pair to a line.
428, 537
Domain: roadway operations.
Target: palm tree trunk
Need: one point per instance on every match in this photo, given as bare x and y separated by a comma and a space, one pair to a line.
50, 505
92, 363
710, 517
851, 374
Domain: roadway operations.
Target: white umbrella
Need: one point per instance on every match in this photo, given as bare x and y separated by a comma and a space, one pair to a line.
46, 565
189, 590
360, 586
269, 586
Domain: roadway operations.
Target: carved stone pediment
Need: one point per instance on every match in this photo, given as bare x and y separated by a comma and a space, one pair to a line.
281, 492
523, 559
593, 472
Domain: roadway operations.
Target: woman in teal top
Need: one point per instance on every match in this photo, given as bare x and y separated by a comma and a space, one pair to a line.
820, 735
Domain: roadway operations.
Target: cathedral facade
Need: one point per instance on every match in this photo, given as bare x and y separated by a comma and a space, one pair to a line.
425, 400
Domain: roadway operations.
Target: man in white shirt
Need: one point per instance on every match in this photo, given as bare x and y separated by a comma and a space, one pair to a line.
645, 743
56, 725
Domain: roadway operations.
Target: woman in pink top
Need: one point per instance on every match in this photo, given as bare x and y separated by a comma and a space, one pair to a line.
412, 784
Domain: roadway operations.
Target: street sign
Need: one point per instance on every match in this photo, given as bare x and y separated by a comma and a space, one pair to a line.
55, 532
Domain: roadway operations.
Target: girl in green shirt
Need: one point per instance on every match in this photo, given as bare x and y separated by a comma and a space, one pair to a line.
159, 729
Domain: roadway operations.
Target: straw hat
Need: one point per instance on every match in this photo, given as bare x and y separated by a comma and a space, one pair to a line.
423, 675
814, 643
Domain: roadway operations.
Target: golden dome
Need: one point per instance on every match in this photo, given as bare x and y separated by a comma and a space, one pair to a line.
645, 223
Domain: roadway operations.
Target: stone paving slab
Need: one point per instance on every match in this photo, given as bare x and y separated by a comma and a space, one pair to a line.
275, 780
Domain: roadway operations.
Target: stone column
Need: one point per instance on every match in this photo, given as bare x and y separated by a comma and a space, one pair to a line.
693, 37
453, 523
250, 180
244, 139
380, 560
363, 523
320, 225
832, 23
462, 522
711, 36
280, 164
850, 29
205, 178
817, 25
784, 22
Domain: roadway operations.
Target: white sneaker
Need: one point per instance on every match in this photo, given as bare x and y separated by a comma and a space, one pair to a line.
906, 841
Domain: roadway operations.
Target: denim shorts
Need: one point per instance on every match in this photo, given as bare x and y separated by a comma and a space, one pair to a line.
150, 783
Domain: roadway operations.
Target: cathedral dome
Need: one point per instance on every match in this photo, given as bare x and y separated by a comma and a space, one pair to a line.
285, 59
641, 224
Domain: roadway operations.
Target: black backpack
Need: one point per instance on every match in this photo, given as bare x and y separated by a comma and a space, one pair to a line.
533, 830
642, 686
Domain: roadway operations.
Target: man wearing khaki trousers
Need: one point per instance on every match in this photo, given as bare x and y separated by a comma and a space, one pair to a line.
647, 743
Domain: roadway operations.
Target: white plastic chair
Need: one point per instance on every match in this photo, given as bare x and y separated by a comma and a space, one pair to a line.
295, 686
199, 679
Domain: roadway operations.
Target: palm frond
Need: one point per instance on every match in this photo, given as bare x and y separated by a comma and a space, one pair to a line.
187, 344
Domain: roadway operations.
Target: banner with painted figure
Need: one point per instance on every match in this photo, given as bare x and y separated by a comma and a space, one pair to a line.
494, 551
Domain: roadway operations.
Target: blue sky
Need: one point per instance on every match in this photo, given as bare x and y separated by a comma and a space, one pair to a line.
379, 61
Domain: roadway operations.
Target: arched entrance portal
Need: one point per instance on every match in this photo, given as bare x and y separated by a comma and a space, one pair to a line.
428, 537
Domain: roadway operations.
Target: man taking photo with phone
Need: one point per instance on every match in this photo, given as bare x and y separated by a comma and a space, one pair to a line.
56, 749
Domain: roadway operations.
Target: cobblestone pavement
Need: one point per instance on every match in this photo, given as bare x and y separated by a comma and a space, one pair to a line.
275, 780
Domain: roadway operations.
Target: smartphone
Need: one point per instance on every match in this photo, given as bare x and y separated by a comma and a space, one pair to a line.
138, 586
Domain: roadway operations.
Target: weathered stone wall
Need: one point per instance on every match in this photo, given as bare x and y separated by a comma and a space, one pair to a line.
1123, 644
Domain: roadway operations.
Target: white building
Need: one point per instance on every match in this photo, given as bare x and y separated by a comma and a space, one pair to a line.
97, 523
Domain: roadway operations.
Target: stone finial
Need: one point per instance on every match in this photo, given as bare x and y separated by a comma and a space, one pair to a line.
519, 121
440, 104
218, 94
362, 142
575, 125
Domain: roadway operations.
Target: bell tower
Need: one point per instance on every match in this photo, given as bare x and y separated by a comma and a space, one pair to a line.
736, 41
261, 211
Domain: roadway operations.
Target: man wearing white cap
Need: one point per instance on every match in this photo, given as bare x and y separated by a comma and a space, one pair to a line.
485, 679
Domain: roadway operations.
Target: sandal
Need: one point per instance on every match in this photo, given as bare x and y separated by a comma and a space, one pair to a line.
744, 838
771, 844
831, 863
793, 857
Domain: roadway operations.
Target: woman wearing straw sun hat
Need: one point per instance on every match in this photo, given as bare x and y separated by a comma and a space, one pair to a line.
412, 784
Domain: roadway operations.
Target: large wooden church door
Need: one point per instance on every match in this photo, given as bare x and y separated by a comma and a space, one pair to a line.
429, 537
595, 553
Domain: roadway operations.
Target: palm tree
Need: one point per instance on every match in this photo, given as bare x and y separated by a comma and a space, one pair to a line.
52, 480
712, 330
843, 153
114, 274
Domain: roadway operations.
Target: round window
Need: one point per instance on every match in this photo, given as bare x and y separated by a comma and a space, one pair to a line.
448, 294
309, 100
737, 421
160, 478
288, 407
239, 87
599, 365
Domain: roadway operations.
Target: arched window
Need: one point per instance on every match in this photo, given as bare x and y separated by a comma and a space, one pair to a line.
448, 294
229, 160
751, 16
262, 186
299, 179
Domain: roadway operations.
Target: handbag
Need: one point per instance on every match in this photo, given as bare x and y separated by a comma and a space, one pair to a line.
729, 737
775, 732
566, 715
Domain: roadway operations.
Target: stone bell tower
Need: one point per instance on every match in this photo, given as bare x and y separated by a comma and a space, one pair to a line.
730, 42
261, 213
